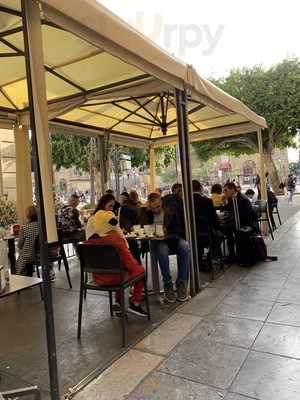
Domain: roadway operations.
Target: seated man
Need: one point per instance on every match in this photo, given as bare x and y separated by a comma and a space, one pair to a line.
109, 233
171, 216
246, 213
204, 208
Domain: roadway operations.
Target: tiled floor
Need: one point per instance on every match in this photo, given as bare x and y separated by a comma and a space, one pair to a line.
239, 339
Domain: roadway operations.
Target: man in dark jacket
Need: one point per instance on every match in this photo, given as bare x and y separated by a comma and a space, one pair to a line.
246, 213
204, 206
207, 224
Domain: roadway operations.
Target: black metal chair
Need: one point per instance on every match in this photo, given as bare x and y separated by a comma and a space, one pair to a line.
263, 214
104, 259
206, 241
275, 211
56, 254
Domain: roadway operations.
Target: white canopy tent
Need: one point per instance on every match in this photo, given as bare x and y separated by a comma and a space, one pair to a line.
76, 66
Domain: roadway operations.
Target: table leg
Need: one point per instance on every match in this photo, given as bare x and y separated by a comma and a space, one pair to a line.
12, 254
154, 272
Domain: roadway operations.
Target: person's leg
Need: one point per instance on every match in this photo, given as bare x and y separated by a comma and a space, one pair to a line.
161, 252
183, 259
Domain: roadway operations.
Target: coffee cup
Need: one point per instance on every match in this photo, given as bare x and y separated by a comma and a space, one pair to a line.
136, 229
149, 230
159, 230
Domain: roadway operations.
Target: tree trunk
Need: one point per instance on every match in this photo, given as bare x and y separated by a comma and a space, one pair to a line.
92, 185
271, 168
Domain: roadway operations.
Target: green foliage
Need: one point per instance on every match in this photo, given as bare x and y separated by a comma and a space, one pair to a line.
164, 157
70, 151
273, 93
8, 212
74, 151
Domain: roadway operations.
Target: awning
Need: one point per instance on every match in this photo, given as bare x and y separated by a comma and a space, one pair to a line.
103, 75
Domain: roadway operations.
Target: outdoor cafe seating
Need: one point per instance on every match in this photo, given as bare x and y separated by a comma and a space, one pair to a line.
104, 259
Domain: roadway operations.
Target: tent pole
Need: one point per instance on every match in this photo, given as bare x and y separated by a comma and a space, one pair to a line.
263, 187
23, 172
189, 211
261, 165
152, 168
103, 163
40, 134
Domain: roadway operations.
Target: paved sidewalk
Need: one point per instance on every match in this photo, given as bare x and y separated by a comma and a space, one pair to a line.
238, 339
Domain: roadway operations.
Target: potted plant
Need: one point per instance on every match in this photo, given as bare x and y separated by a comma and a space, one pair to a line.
8, 212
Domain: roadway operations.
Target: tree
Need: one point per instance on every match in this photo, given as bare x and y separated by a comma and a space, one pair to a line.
70, 151
74, 151
273, 93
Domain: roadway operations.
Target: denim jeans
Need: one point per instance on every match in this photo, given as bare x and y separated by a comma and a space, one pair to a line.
162, 249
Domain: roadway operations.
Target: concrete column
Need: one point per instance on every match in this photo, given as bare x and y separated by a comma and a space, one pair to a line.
23, 172
152, 162
1, 173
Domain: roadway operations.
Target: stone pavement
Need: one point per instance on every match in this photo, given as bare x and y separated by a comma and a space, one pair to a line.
238, 339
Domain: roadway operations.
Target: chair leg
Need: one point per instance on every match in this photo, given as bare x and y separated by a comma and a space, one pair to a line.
64, 257
146, 262
37, 271
85, 281
59, 264
110, 303
279, 219
41, 292
147, 299
123, 318
80, 312
270, 228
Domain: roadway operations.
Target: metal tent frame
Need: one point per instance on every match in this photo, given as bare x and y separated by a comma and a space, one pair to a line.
154, 100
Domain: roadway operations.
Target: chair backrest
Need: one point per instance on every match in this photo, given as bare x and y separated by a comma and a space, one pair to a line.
262, 205
53, 248
102, 259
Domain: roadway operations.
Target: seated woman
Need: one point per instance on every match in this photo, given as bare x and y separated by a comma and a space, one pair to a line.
106, 203
107, 232
130, 211
217, 195
27, 239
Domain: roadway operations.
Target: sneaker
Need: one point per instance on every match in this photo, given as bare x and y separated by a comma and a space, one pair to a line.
182, 293
52, 275
170, 296
137, 310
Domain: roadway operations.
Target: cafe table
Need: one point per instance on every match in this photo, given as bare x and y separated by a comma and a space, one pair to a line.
153, 259
18, 283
